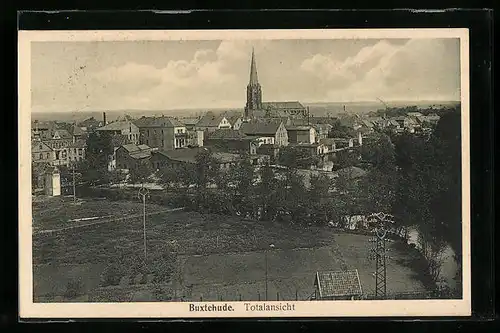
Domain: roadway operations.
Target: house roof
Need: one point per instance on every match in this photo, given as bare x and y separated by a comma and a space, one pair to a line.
260, 128
223, 157
283, 105
187, 155
210, 119
298, 128
35, 147
189, 121
227, 134
90, 122
414, 114
233, 116
138, 152
62, 133
78, 144
158, 122
117, 126
338, 283
368, 123
76, 130
119, 140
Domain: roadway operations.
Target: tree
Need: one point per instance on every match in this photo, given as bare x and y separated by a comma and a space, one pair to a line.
319, 196
429, 189
206, 171
94, 167
340, 131
242, 178
265, 192
140, 173
346, 158
380, 153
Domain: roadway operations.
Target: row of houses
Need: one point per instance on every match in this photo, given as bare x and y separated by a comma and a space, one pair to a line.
131, 156
411, 122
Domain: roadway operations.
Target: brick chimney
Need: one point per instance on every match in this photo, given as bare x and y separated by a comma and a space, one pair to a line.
104, 119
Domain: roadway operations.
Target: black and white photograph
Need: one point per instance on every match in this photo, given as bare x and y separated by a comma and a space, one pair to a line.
244, 173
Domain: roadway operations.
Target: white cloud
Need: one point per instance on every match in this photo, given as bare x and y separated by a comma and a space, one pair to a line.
418, 69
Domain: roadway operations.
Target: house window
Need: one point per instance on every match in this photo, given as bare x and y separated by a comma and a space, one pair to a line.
41, 156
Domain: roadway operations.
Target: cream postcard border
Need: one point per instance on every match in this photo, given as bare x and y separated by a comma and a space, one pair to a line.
393, 308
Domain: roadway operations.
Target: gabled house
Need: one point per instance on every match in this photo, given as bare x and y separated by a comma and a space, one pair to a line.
126, 128
178, 158
235, 119
42, 153
231, 141
301, 134
162, 132
76, 151
129, 156
116, 142
266, 132
211, 122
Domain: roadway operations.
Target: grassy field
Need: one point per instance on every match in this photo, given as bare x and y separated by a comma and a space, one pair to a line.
213, 256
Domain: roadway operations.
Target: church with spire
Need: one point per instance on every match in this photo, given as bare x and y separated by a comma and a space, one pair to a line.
255, 108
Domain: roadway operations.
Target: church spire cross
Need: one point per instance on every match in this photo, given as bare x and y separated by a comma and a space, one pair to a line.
254, 80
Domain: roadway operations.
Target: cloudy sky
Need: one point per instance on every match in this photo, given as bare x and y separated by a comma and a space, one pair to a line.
161, 75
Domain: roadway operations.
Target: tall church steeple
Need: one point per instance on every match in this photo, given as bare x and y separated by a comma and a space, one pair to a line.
254, 91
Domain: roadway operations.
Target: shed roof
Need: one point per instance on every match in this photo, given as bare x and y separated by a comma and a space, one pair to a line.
338, 283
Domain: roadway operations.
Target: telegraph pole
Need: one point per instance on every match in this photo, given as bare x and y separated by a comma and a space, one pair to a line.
143, 192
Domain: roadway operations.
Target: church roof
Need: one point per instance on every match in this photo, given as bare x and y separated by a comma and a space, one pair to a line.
254, 80
283, 105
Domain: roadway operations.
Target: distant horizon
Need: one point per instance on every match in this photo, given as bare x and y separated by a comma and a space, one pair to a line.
208, 108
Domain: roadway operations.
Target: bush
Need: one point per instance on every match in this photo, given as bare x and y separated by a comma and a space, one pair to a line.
112, 275
74, 288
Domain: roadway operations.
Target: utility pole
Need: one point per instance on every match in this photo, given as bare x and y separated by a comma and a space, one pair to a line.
379, 252
143, 192
74, 185
265, 254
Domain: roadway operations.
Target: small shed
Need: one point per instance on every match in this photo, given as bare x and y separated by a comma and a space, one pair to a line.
52, 182
337, 285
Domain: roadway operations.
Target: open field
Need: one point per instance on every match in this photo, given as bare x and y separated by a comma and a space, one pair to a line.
215, 256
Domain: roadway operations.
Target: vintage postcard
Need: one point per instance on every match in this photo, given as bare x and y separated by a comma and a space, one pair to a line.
245, 173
